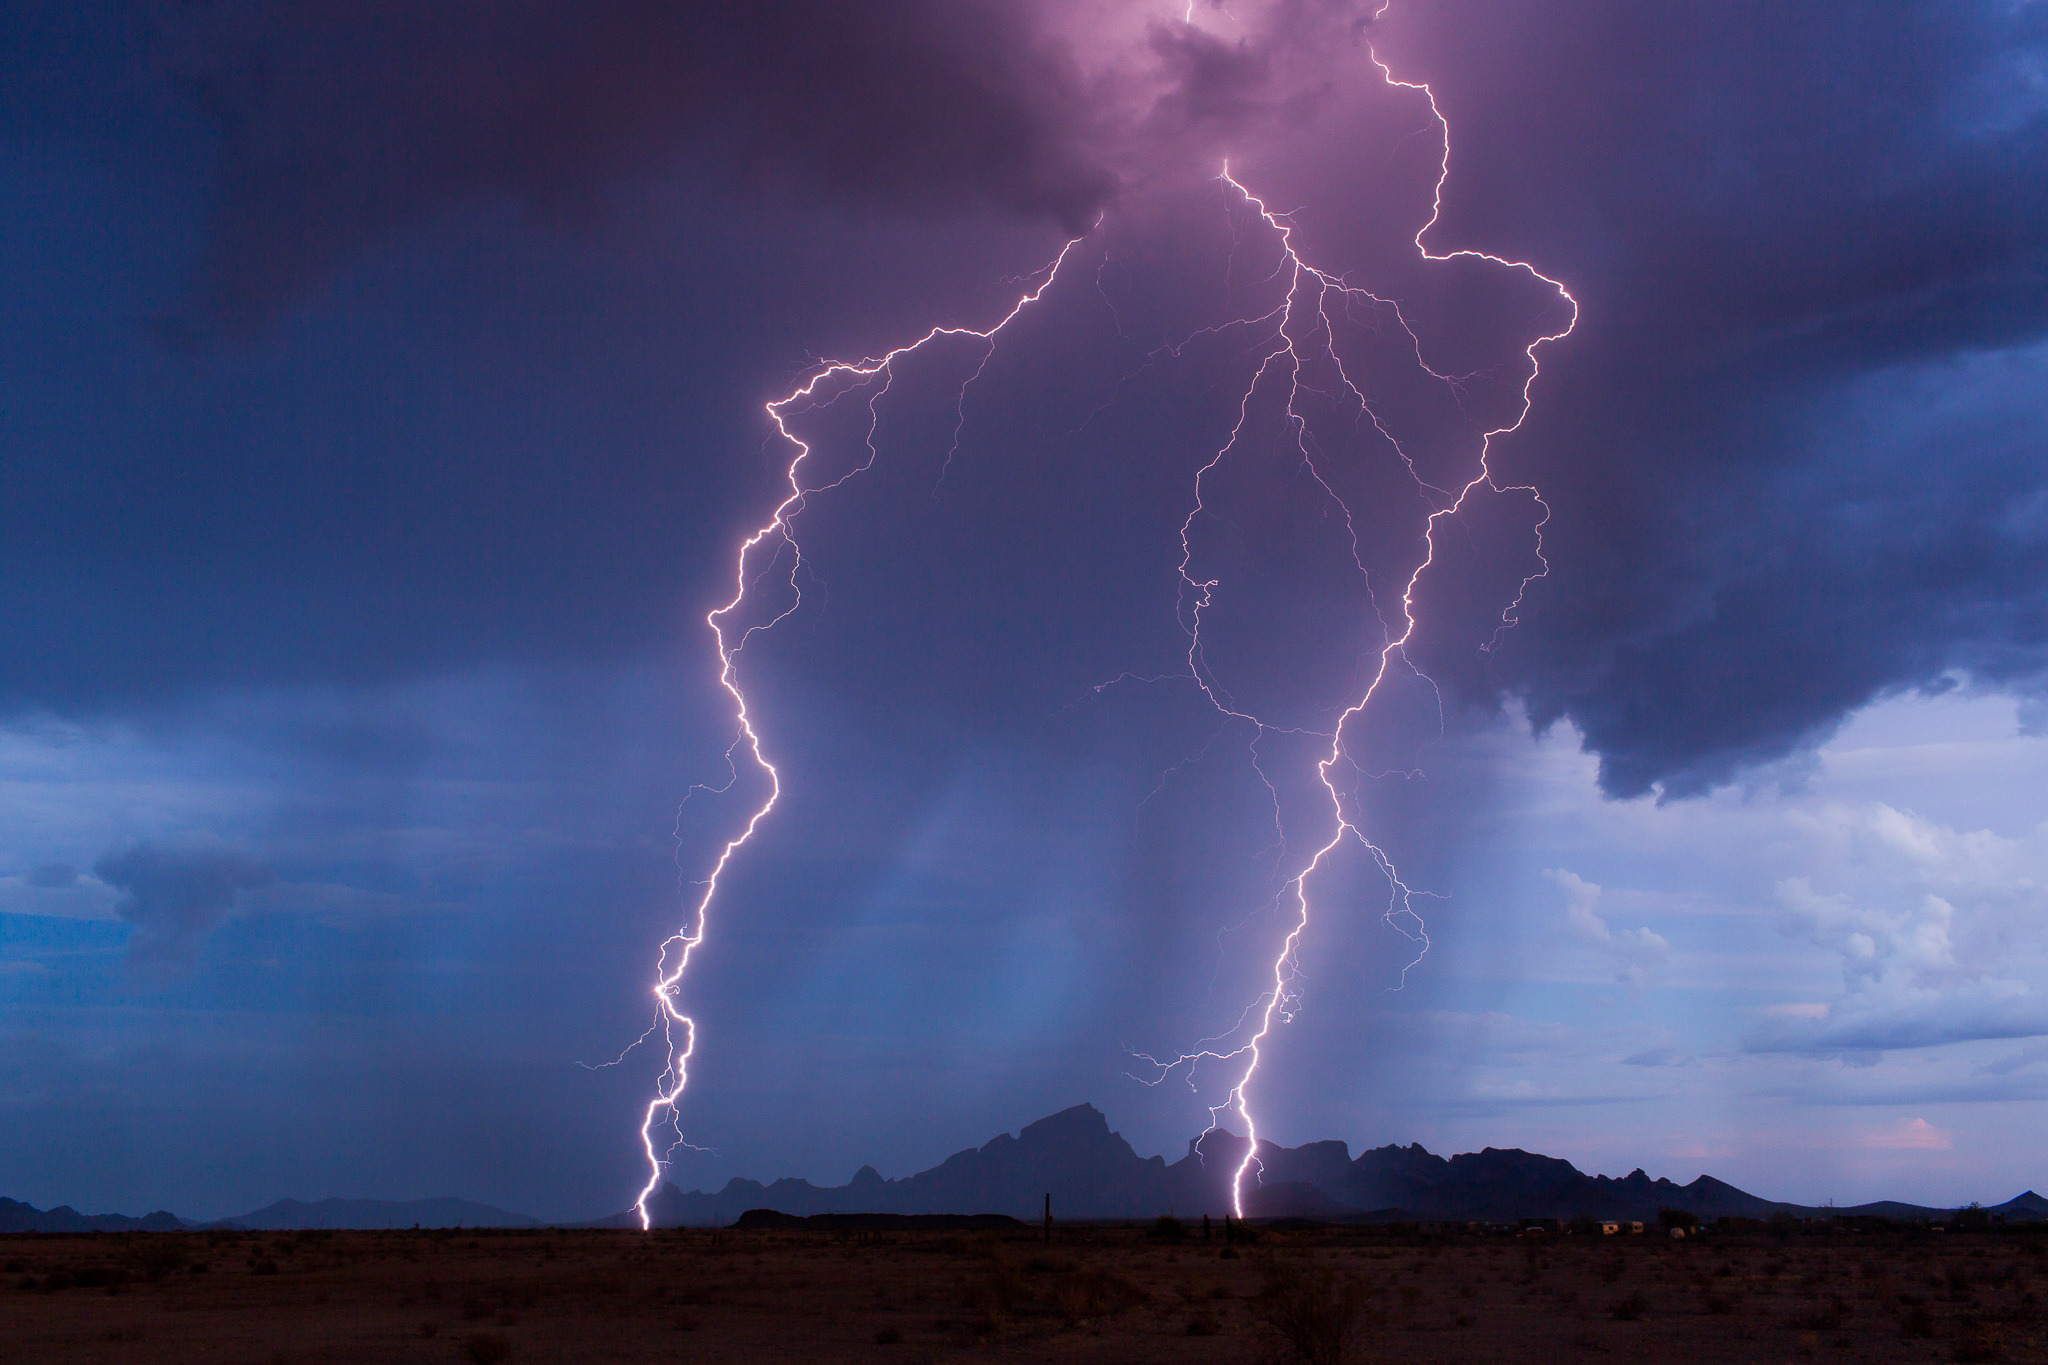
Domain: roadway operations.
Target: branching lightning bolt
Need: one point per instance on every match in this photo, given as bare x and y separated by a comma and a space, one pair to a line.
876, 375
1301, 319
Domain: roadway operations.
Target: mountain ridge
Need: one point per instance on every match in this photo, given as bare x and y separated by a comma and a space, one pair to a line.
285, 1215
1092, 1173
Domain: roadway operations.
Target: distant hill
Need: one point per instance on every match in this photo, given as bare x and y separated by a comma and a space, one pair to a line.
1092, 1172
16, 1216
291, 1215
286, 1215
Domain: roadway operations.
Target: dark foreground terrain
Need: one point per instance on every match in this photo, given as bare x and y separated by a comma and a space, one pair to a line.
1093, 1294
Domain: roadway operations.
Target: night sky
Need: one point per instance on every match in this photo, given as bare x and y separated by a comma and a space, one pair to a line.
381, 408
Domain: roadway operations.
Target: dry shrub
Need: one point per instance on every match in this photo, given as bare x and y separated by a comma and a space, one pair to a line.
488, 1348
1977, 1341
1630, 1309
162, 1254
1317, 1312
1048, 1265
1084, 1295
1717, 1304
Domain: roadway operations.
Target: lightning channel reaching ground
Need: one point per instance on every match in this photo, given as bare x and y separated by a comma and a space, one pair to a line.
874, 374
1302, 320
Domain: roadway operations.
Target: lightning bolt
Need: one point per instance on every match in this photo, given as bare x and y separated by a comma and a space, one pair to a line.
1300, 322
1303, 320
837, 377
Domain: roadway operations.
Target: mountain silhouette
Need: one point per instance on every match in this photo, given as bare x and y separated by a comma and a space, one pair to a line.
1092, 1173
285, 1215
16, 1216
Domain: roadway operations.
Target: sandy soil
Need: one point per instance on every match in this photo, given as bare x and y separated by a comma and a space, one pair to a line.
1095, 1294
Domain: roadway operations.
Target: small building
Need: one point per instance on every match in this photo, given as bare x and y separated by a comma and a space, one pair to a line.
1609, 1229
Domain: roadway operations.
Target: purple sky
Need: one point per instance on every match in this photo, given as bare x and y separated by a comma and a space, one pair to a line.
382, 397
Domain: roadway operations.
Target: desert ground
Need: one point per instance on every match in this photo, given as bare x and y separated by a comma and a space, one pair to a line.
1091, 1294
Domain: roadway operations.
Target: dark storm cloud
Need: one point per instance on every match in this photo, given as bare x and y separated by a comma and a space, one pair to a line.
1799, 233
342, 121
1786, 480
175, 897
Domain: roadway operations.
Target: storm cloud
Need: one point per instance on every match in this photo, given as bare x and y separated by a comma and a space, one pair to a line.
1795, 463
340, 123
1798, 236
175, 897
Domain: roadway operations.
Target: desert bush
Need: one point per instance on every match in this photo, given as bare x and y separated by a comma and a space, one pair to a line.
1717, 1304
162, 1255
1631, 1308
1317, 1312
1167, 1228
1977, 1341
1086, 1294
488, 1348
888, 1336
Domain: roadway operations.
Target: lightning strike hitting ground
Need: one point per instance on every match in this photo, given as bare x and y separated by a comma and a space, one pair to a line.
1308, 291
1301, 321
674, 959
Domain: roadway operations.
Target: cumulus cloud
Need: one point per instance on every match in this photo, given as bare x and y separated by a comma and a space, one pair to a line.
1937, 930
175, 897
1636, 952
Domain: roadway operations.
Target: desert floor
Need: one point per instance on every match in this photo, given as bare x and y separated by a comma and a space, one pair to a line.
1092, 1294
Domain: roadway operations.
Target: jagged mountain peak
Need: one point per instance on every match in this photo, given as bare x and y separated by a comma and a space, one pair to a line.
1090, 1171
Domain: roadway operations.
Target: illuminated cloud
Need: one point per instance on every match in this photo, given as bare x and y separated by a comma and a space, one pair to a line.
1639, 952
1911, 1135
